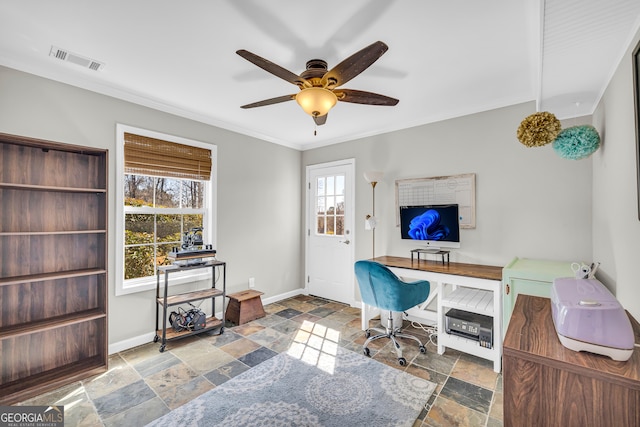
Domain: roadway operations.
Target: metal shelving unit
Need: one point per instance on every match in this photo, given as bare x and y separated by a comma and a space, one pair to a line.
165, 300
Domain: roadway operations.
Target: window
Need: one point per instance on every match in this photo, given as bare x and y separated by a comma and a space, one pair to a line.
157, 212
330, 205
166, 187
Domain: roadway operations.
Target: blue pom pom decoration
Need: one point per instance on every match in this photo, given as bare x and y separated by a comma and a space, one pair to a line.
577, 142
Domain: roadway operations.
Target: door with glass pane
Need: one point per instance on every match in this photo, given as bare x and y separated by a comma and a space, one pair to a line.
330, 238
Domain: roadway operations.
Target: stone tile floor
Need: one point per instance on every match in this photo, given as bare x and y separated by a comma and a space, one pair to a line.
142, 384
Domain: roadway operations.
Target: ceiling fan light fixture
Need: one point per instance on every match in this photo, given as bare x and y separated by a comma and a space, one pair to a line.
316, 101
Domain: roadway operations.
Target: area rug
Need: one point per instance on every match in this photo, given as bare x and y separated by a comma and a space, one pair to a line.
343, 389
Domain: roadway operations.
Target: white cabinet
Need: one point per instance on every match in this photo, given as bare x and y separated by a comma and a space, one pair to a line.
480, 296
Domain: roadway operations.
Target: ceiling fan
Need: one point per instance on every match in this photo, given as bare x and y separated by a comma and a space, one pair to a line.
319, 86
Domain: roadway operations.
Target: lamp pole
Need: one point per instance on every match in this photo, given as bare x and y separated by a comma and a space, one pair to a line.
373, 214
373, 177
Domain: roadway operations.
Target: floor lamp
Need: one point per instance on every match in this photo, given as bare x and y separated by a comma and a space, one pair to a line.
373, 177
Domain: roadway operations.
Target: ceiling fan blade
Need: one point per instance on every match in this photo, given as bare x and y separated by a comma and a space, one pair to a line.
362, 97
353, 65
272, 68
271, 101
320, 120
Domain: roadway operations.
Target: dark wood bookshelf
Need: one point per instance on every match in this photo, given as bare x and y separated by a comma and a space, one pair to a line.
53, 274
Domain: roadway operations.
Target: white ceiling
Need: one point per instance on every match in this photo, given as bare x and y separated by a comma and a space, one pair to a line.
446, 58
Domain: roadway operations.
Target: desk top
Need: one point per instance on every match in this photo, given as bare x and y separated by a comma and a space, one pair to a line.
532, 336
455, 268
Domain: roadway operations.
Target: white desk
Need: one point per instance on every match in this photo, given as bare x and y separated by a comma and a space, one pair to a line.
450, 285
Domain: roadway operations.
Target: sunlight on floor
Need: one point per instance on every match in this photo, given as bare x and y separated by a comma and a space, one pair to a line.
109, 372
72, 399
316, 345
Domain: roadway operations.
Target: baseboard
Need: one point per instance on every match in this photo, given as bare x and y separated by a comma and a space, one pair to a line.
284, 296
148, 337
131, 343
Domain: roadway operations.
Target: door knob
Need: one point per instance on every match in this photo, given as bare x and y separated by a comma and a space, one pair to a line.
346, 242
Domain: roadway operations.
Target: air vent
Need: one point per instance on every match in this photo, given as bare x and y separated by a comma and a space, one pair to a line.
65, 55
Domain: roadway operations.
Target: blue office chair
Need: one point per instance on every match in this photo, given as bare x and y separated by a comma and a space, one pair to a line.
379, 287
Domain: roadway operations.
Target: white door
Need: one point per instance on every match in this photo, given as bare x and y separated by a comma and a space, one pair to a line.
330, 237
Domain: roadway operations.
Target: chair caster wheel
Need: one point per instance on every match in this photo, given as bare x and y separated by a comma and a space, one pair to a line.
162, 347
402, 361
423, 349
367, 333
156, 338
366, 352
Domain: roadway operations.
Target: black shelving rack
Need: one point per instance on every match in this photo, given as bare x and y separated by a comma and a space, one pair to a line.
165, 300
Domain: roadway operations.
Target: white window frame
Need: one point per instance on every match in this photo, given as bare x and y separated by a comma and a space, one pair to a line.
125, 287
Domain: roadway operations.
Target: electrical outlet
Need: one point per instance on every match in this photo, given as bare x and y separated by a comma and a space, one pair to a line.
252, 282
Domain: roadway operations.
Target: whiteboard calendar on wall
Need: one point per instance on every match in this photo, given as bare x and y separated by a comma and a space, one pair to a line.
453, 189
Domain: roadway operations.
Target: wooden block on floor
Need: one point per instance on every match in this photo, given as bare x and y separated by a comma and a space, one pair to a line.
244, 307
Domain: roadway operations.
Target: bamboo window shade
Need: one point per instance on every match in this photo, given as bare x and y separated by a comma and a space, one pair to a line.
149, 156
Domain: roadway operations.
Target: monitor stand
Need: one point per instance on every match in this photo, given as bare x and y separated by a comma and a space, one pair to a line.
431, 251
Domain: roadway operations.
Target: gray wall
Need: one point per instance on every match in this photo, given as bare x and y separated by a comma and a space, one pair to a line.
616, 228
530, 203
258, 189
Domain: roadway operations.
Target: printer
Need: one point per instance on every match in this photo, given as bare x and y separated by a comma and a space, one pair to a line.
587, 317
